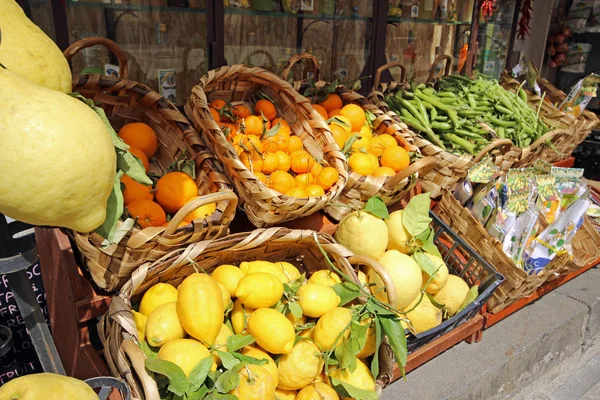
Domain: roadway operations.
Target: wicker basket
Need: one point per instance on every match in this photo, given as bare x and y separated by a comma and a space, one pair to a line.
360, 188
517, 284
126, 101
239, 83
570, 131
450, 167
117, 329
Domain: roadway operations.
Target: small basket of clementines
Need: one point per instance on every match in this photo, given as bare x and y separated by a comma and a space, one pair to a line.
275, 147
170, 190
382, 159
272, 313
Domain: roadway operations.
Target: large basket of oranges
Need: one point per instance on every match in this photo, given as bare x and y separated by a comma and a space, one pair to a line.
277, 150
382, 158
189, 185
262, 288
451, 167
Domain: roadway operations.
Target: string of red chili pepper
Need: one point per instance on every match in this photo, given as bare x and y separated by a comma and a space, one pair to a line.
523, 29
487, 8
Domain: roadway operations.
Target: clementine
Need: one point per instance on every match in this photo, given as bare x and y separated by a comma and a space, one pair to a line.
396, 158
215, 115
297, 192
322, 112
174, 189
327, 178
339, 135
140, 135
267, 108
284, 161
140, 155
314, 190
254, 125
270, 163
241, 111
303, 180
302, 162
384, 171
281, 181
361, 163
295, 144
135, 191
331, 102
147, 213
355, 114
200, 212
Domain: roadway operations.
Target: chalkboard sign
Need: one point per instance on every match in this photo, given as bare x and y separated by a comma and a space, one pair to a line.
22, 358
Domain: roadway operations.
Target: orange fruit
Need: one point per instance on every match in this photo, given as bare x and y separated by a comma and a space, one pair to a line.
331, 102
295, 144
384, 171
218, 104
362, 143
342, 122
376, 146
140, 135
174, 189
215, 114
361, 163
238, 149
396, 158
200, 212
270, 163
322, 112
334, 113
281, 181
269, 146
374, 160
284, 161
303, 180
140, 155
316, 169
135, 191
254, 125
261, 177
297, 192
388, 140
327, 178
339, 134
283, 141
253, 161
314, 190
302, 162
228, 129
355, 114
280, 121
267, 108
284, 130
147, 213
241, 111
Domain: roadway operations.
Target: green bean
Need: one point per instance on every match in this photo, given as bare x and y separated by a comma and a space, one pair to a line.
500, 122
446, 94
470, 113
413, 123
441, 118
434, 102
413, 110
433, 112
465, 144
441, 126
500, 132
421, 108
502, 109
472, 101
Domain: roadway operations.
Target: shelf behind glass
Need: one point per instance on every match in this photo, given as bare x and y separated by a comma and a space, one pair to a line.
245, 11
425, 21
134, 7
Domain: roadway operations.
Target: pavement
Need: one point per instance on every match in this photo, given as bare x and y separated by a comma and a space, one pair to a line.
549, 350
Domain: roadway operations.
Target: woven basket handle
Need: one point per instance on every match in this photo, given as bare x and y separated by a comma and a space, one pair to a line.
297, 57
423, 166
447, 67
379, 270
138, 360
264, 52
198, 202
387, 66
503, 144
99, 40
541, 141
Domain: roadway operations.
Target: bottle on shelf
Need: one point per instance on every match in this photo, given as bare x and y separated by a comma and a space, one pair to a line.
166, 63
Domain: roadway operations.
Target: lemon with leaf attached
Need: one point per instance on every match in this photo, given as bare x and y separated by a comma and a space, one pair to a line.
332, 324
316, 299
255, 383
185, 353
324, 277
272, 331
300, 367
259, 290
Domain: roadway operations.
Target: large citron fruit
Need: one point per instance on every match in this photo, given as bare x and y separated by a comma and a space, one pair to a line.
57, 159
423, 316
272, 331
301, 367
185, 353
46, 386
363, 234
28, 52
200, 307
404, 272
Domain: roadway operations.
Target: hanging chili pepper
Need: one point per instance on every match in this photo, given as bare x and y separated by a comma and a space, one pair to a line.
523, 29
487, 8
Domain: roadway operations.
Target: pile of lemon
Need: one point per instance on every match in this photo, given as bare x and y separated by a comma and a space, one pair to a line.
193, 321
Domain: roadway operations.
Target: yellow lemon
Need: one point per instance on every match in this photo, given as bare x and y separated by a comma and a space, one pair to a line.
259, 290
46, 386
200, 307
239, 316
405, 273
225, 293
285, 394
316, 299
363, 234
360, 378
425, 315
325, 277
221, 343
362, 278
254, 267
440, 277
157, 295
317, 391
272, 331
397, 233
329, 327
290, 270
452, 294
228, 275
255, 384
260, 354
163, 325
300, 367
185, 353
371, 343
140, 324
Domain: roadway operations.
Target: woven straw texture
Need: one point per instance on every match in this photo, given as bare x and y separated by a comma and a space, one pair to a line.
569, 131
126, 101
518, 284
450, 167
240, 84
117, 329
359, 188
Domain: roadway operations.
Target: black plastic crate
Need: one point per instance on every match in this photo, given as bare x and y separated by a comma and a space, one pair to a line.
465, 262
587, 156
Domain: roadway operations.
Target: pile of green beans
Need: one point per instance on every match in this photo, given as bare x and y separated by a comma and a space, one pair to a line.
463, 115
